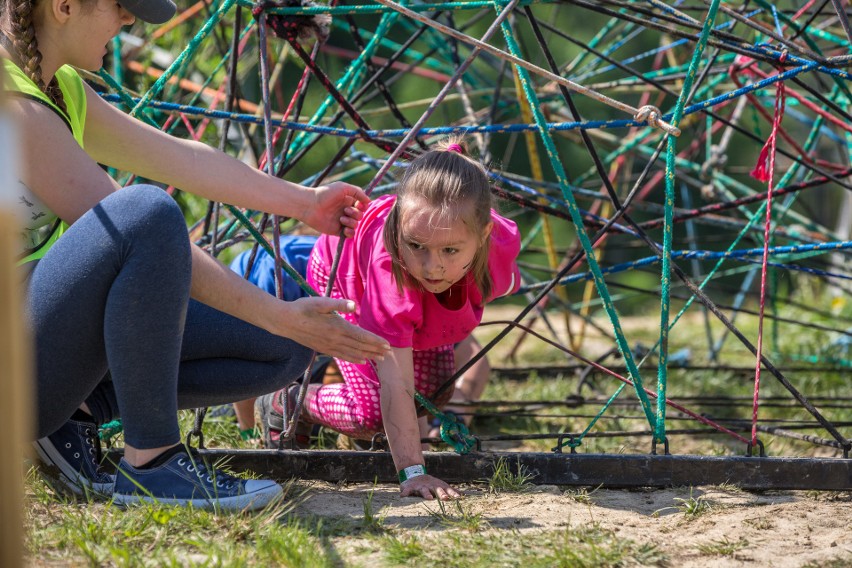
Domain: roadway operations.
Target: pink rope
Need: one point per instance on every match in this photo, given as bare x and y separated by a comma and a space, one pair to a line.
277, 134
764, 171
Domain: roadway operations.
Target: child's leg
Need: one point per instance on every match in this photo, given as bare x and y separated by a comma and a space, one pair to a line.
470, 385
245, 414
432, 369
351, 407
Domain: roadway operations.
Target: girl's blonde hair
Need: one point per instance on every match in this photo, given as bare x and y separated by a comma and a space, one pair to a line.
19, 15
455, 186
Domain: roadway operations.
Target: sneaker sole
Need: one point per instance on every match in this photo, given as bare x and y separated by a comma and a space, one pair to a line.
261, 411
55, 466
248, 502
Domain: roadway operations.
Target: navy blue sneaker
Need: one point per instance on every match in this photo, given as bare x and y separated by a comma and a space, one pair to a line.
185, 479
72, 456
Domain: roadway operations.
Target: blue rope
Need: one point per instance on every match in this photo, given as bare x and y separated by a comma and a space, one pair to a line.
742, 255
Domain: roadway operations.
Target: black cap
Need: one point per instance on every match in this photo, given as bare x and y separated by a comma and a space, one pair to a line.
151, 11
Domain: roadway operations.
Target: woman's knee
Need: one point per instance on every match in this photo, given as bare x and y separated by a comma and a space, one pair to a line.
288, 363
147, 208
297, 358
150, 220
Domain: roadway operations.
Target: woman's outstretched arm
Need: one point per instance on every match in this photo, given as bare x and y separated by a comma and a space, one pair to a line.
116, 139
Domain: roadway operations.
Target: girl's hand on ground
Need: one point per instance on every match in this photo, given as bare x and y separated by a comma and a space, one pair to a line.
314, 323
337, 206
428, 487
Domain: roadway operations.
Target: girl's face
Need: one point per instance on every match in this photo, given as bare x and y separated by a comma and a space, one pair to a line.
91, 28
436, 251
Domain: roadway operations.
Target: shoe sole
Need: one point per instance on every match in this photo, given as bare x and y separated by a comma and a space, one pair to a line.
56, 468
247, 502
261, 411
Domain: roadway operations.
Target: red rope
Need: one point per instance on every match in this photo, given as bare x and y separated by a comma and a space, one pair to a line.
764, 171
277, 134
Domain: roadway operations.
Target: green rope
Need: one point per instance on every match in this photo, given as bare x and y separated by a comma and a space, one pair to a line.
191, 48
373, 9
303, 138
753, 218
575, 442
668, 216
577, 220
453, 431
110, 430
125, 97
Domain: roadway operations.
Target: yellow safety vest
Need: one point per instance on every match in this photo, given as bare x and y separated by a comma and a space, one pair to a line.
18, 84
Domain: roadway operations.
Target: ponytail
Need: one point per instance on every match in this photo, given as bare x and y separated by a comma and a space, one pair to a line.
25, 43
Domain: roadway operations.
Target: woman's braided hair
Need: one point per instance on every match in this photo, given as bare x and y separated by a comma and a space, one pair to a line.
20, 17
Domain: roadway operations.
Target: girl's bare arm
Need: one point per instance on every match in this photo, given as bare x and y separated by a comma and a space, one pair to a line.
396, 375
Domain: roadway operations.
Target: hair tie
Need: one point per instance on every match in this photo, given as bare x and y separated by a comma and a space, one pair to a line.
455, 148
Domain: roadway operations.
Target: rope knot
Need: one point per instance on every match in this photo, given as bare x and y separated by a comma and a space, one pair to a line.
651, 115
295, 26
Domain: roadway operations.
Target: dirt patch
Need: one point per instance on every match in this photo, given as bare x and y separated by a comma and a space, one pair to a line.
691, 527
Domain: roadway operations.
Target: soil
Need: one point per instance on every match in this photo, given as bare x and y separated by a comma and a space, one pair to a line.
778, 528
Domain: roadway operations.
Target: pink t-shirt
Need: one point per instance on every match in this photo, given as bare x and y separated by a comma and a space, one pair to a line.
413, 318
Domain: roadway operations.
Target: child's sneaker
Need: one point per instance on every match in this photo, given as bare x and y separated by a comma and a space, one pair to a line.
185, 479
272, 413
72, 456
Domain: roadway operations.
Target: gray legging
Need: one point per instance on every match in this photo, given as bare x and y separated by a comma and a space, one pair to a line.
114, 326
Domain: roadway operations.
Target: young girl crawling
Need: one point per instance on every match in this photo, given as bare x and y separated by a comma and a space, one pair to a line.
420, 268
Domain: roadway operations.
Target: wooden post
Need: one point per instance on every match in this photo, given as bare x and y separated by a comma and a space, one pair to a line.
15, 365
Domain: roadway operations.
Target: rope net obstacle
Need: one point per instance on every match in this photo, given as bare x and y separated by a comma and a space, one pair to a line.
679, 170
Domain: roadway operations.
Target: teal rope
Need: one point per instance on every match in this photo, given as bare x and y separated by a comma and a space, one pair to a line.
191, 48
753, 218
575, 442
110, 430
125, 97
303, 138
453, 431
665, 278
373, 9
116, 60
593, 43
577, 220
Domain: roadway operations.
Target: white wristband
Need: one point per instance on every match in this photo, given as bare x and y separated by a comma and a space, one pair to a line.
411, 472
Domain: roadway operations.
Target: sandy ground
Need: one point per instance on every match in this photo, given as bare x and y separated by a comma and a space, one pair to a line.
782, 529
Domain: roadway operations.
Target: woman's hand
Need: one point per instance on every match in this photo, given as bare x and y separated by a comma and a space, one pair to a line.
336, 206
314, 323
427, 487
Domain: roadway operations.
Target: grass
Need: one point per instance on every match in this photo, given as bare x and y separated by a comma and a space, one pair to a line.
723, 547
594, 545
458, 533
153, 534
692, 507
581, 494
506, 480
402, 550
372, 522
585, 546
462, 518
